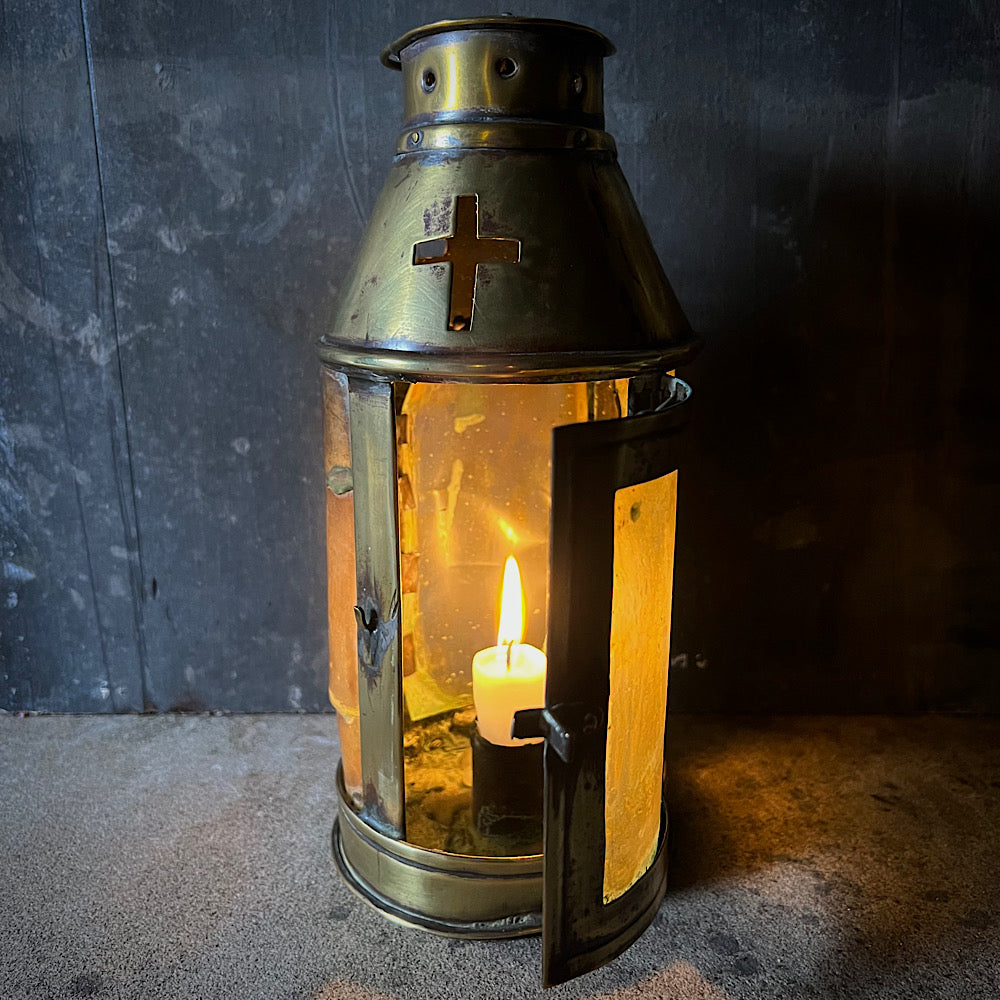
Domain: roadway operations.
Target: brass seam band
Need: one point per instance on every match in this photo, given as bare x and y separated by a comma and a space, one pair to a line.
538, 367
390, 56
503, 135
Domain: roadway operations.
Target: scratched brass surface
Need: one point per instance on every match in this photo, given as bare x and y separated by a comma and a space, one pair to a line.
509, 114
588, 283
502, 135
514, 69
380, 696
341, 574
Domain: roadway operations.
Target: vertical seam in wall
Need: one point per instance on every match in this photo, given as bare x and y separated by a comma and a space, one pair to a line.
333, 97
901, 539
633, 29
22, 156
889, 220
130, 526
757, 143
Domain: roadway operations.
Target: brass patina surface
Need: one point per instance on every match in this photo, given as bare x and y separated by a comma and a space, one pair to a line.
516, 68
508, 112
465, 249
380, 695
502, 22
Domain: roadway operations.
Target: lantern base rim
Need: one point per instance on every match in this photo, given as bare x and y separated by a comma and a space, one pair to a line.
454, 895
516, 925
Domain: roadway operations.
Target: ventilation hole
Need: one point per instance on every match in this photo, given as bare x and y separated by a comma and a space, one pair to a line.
154, 588
428, 81
506, 67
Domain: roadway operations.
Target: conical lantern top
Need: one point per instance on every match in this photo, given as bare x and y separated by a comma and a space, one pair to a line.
505, 245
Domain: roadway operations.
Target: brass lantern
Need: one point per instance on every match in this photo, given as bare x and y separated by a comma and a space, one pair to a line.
501, 414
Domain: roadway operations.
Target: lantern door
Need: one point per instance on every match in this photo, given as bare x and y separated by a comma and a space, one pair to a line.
612, 537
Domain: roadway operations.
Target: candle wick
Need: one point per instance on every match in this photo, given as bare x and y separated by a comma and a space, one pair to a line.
510, 649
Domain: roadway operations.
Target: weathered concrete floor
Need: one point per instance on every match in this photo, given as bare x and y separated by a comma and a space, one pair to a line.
188, 857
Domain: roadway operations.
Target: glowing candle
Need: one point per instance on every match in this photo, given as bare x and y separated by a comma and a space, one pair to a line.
510, 675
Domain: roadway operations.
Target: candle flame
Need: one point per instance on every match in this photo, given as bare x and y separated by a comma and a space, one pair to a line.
511, 628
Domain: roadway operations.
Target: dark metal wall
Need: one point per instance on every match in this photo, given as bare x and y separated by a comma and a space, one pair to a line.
184, 184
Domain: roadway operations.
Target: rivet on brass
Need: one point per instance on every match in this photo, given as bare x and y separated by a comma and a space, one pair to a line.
506, 67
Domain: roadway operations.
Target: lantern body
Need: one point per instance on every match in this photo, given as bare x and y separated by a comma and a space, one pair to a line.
497, 385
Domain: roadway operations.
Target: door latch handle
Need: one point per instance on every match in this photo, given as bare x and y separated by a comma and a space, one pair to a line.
563, 726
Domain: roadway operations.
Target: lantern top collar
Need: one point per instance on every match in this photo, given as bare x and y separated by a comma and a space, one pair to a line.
505, 245
504, 22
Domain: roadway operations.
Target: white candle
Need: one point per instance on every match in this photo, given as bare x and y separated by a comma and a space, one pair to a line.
510, 675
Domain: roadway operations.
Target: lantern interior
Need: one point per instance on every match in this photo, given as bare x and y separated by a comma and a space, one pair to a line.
474, 473
474, 465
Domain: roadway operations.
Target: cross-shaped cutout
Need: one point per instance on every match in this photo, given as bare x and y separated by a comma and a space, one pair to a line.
465, 250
